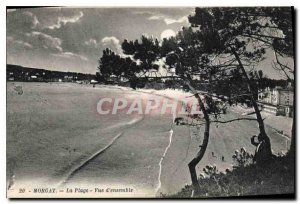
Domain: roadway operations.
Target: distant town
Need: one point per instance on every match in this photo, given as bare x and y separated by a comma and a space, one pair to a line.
20, 73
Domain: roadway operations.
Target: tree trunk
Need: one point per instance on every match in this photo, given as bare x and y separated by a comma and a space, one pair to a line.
292, 146
193, 163
256, 109
292, 152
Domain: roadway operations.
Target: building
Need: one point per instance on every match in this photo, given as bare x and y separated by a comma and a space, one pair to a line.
278, 101
19, 73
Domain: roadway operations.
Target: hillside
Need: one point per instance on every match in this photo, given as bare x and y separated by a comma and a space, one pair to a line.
274, 180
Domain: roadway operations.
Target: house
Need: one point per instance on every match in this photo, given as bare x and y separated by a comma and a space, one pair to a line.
113, 79
278, 101
93, 81
68, 78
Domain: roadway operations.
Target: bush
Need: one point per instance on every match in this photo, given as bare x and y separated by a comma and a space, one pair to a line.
242, 158
246, 179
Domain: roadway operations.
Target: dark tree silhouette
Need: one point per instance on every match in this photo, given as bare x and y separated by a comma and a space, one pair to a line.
213, 57
227, 30
280, 37
113, 64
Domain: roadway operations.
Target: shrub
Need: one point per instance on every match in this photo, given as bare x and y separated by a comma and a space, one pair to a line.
242, 158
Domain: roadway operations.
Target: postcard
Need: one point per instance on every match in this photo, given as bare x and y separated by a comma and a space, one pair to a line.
150, 102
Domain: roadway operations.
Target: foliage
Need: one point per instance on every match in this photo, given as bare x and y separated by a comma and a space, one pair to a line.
147, 51
242, 158
214, 57
210, 170
113, 64
281, 19
273, 179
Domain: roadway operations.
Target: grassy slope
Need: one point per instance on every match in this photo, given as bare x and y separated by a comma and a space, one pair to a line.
276, 177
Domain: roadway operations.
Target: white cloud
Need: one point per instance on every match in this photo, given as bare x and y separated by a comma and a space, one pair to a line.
11, 41
179, 20
167, 34
143, 12
25, 44
53, 44
10, 10
33, 18
70, 55
24, 20
92, 43
155, 17
168, 20
65, 20
112, 43
47, 41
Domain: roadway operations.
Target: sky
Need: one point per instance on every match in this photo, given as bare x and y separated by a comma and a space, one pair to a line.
72, 39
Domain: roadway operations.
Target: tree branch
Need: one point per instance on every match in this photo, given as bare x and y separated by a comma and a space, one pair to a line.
229, 121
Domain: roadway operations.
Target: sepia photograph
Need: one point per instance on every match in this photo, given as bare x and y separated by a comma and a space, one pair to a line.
150, 102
